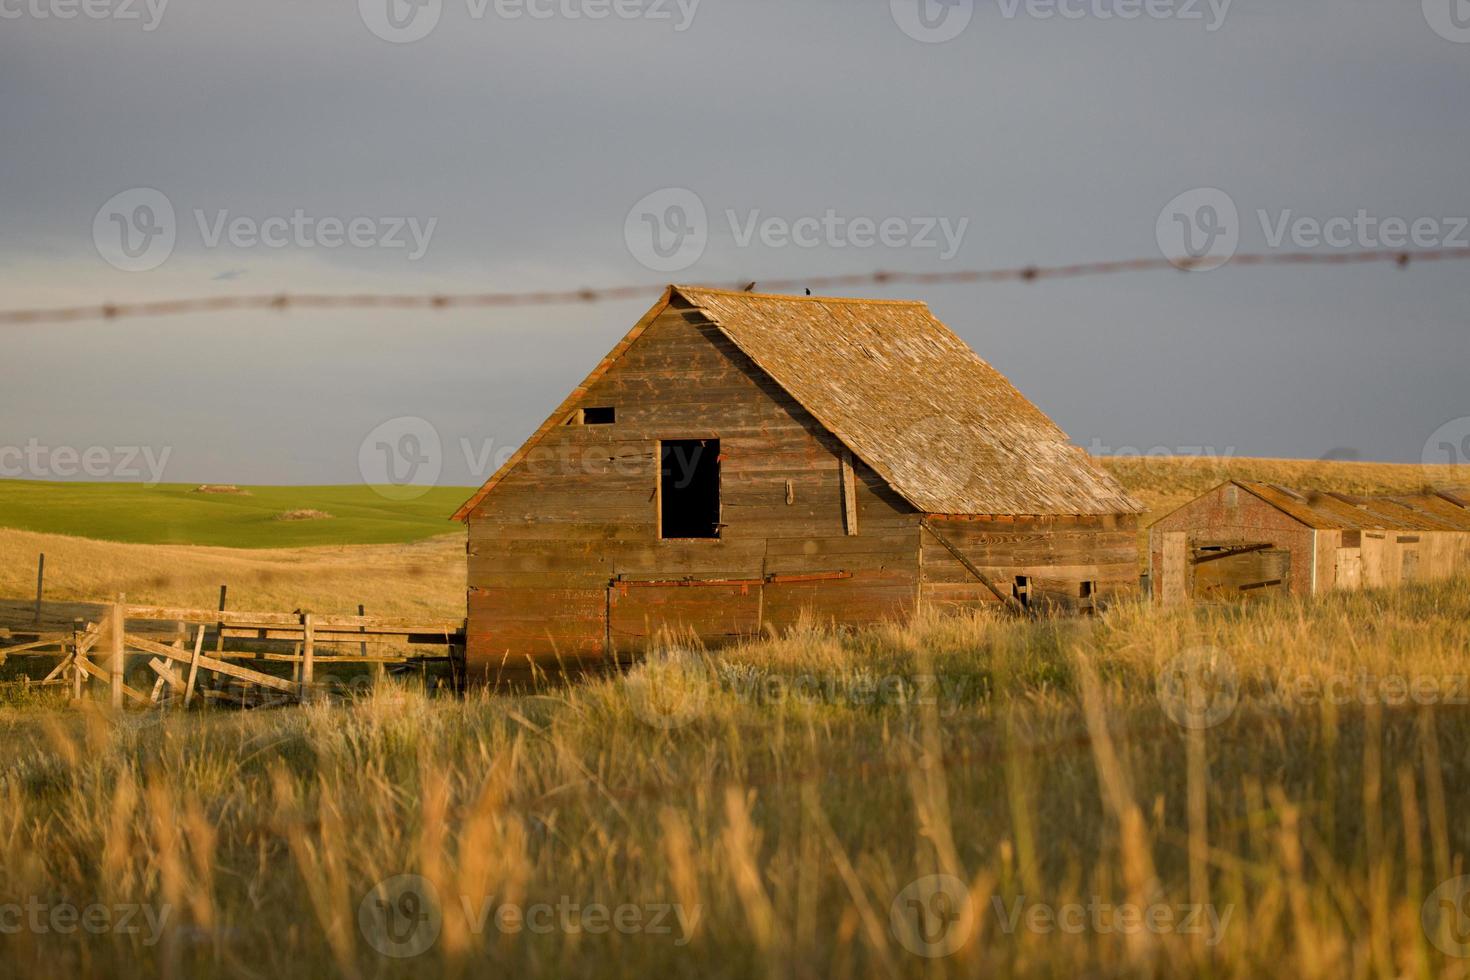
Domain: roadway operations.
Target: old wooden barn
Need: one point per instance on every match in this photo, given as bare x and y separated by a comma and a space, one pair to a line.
739, 460
1246, 539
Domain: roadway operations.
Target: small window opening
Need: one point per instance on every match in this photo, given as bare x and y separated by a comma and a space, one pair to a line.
1087, 594
1022, 591
689, 488
606, 415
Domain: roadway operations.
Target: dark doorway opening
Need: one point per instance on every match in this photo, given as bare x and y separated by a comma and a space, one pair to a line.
689, 488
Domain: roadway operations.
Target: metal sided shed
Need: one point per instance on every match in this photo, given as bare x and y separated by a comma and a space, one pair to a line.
1245, 539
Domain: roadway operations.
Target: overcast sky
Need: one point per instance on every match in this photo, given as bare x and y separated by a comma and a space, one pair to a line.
506, 151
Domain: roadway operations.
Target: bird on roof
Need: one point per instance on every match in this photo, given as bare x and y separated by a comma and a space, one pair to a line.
749, 287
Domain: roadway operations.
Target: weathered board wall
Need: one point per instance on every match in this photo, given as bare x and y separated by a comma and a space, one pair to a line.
581, 511
1056, 555
1321, 559
1224, 516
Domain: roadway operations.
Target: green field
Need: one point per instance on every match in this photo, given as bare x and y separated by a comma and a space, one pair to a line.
172, 513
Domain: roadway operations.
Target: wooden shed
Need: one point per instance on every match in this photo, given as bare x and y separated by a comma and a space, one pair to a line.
1244, 539
739, 460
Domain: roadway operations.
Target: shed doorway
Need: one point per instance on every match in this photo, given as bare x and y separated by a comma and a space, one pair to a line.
1238, 570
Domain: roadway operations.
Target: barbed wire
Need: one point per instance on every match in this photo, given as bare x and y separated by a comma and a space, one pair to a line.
442, 301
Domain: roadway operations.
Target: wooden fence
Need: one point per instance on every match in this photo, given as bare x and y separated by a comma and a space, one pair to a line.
173, 642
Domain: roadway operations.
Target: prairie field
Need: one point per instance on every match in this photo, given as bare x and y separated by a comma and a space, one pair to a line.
1205, 791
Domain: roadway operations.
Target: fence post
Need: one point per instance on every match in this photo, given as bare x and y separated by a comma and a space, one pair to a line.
308, 650
117, 667
40, 584
77, 675
219, 636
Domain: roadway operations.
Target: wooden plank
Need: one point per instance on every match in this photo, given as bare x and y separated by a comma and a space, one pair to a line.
210, 663
194, 666
849, 495
118, 661
107, 675
353, 625
308, 654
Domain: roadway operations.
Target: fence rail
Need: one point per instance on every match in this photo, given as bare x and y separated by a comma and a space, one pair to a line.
176, 656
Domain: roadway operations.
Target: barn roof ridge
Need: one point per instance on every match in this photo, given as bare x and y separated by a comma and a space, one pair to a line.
782, 297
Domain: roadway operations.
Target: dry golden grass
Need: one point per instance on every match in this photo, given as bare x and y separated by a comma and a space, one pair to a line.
786, 796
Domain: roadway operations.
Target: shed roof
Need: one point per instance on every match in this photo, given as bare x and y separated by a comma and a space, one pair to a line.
1329, 510
909, 398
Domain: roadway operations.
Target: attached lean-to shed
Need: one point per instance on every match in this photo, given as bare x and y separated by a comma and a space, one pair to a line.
1245, 539
740, 460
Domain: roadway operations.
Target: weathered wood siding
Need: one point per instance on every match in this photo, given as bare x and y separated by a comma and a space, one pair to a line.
1227, 515
555, 549
1056, 554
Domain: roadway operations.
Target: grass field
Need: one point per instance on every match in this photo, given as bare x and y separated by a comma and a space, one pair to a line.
170, 513
1212, 792
968, 797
